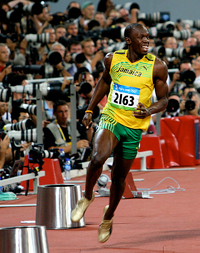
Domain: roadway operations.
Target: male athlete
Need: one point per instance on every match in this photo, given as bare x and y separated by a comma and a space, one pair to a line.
129, 77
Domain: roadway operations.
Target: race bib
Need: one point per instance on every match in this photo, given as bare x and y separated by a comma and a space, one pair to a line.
125, 97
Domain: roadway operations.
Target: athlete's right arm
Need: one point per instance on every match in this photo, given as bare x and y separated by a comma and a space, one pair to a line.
102, 88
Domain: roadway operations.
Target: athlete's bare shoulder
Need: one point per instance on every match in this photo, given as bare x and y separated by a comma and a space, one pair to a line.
108, 60
160, 68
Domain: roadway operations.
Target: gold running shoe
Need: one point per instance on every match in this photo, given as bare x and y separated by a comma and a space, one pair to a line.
80, 208
105, 228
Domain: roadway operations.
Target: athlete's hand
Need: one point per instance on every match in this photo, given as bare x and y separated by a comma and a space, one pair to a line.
141, 111
87, 120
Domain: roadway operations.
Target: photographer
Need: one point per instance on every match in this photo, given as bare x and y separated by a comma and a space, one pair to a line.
182, 77
2, 111
192, 104
54, 63
57, 133
186, 90
4, 58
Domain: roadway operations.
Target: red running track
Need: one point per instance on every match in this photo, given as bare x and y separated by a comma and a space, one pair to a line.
164, 224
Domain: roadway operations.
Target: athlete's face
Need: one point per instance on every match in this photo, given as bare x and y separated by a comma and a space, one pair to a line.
139, 40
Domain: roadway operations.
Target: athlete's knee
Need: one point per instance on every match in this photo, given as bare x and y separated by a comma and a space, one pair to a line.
118, 181
97, 160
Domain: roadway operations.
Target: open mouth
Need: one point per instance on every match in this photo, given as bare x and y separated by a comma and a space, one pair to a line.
145, 47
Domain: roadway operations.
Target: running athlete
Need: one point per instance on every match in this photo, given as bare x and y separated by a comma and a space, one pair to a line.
129, 77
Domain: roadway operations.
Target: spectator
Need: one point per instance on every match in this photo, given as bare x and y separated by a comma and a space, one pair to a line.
176, 85
45, 47
57, 66
4, 58
192, 104
196, 67
88, 11
186, 89
100, 17
196, 34
72, 29
57, 133
3, 121
60, 31
89, 53
105, 6
6, 116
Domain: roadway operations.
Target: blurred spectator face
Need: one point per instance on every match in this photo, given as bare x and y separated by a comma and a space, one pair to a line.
195, 111
23, 116
186, 90
88, 12
192, 41
171, 43
152, 43
4, 54
101, 43
90, 79
72, 29
60, 32
2, 108
5, 7
60, 49
185, 66
196, 34
114, 14
89, 48
124, 14
74, 4
52, 34
61, 114
76, 48
100, 18
42, 17
196, 63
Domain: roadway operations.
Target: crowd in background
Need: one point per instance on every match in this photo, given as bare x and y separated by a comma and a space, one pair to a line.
38, 44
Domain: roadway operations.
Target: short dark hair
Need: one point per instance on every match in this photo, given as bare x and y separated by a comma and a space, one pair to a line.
129, 29
58, 103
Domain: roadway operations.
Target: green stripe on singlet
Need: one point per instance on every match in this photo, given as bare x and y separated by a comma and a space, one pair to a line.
110, 126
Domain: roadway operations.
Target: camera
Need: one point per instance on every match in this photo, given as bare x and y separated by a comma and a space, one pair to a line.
155, 16
33, 8
114, 47
58, 19
11, 36
5, 95
187, 76
54, 58
41, 38
172, 106
22, 125
189, 103
168, 52
31, 109
159, 51
28, 69
155, 32
192, 23
36, 154
13, 15
85, 87
29, 135
31, 88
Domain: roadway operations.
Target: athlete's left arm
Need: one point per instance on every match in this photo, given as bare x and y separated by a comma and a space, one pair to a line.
160, 74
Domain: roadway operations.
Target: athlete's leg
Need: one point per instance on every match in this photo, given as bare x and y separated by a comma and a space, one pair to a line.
120, 170
104, 144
